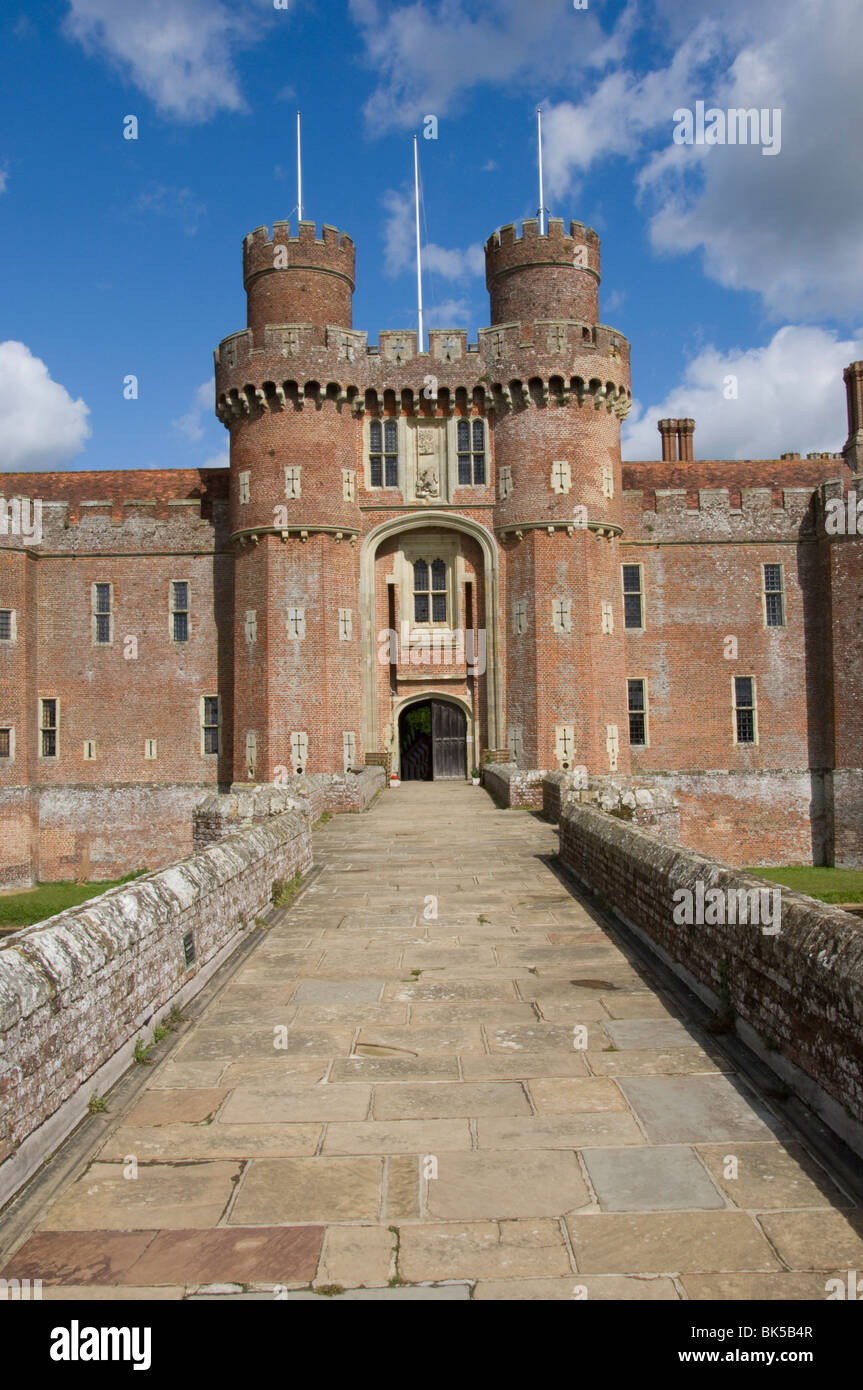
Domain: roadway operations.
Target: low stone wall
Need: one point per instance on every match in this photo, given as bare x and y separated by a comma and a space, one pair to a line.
222, 813
511, 785
354, 791
796, 997
628, 799
78, 990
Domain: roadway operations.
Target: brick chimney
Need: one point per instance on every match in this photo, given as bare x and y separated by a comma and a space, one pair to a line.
685, 431
668, 431
853, 450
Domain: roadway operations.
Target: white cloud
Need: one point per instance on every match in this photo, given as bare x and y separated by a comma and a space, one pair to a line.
784, 227
4, 180
180, 53
428, 55
41, 427
452, 313
192, 423
400, 245
791, 399
217, 460
179, 203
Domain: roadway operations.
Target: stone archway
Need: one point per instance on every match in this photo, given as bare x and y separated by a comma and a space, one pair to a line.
415, 521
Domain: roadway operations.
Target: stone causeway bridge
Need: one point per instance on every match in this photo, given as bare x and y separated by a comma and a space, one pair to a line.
445, 1070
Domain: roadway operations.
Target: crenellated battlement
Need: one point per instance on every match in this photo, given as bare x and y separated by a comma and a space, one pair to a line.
553, 275
555, 242
679, 514
332, 251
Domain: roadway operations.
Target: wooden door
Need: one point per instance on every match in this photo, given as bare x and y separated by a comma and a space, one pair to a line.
449, 729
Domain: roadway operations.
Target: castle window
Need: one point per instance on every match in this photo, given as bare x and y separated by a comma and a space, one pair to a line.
633, 596
179, 611
384, 453
7, 743
7, 624
102, 618
89, 750
637, 700
210, 724
774, 595
471, 453
745, 717
49, 718
244, 485
430, 591
150, 749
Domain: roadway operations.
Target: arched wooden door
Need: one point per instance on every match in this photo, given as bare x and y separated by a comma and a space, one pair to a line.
449, 729
432, 742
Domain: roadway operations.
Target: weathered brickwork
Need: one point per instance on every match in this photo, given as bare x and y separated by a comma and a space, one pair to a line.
77, 990
799, 992
352, 465
513, 786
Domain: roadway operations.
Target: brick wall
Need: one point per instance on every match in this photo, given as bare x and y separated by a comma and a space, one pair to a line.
513, 786
797, 997
77, 990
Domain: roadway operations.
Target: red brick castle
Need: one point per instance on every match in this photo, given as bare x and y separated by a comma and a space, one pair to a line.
427, 560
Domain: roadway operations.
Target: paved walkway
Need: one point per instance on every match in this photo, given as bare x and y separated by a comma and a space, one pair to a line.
440, 1065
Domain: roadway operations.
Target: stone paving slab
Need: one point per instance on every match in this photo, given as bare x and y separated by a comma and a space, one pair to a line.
651, 1179
434, 1115
649, 1288
652, 1243
103, 1198
282, 1254
281, 1191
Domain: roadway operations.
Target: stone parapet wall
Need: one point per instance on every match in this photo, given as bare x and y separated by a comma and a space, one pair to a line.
796, 997
627, 798
511, 785
355, 791
78, 990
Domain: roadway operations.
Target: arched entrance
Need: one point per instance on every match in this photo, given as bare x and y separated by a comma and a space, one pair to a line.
432, 742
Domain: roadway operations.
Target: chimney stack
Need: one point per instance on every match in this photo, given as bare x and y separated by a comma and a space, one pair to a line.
668, 431
853, 450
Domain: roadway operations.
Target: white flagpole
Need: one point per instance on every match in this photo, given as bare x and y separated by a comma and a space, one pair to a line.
299, 174
541, 201
420, 342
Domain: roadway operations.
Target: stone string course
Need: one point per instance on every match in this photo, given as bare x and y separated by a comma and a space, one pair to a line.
78, 990
797, 996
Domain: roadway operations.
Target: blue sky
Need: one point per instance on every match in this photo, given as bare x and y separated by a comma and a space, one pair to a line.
124, 257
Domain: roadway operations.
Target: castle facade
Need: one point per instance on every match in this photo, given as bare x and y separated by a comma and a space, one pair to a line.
428, 559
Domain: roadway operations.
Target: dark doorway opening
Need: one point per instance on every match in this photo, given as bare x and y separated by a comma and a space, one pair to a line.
432, 744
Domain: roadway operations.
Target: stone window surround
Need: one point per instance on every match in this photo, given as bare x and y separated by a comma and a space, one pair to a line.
430, 546
408, 455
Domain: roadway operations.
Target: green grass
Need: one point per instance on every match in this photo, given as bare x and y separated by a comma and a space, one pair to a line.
22, 909
828, 885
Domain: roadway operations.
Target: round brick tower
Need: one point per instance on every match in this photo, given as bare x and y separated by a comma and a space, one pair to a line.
561, 386
298, 279
285, 390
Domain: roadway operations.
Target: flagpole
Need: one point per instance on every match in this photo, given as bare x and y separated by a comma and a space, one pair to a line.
541, 209
420, 340
299, 174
